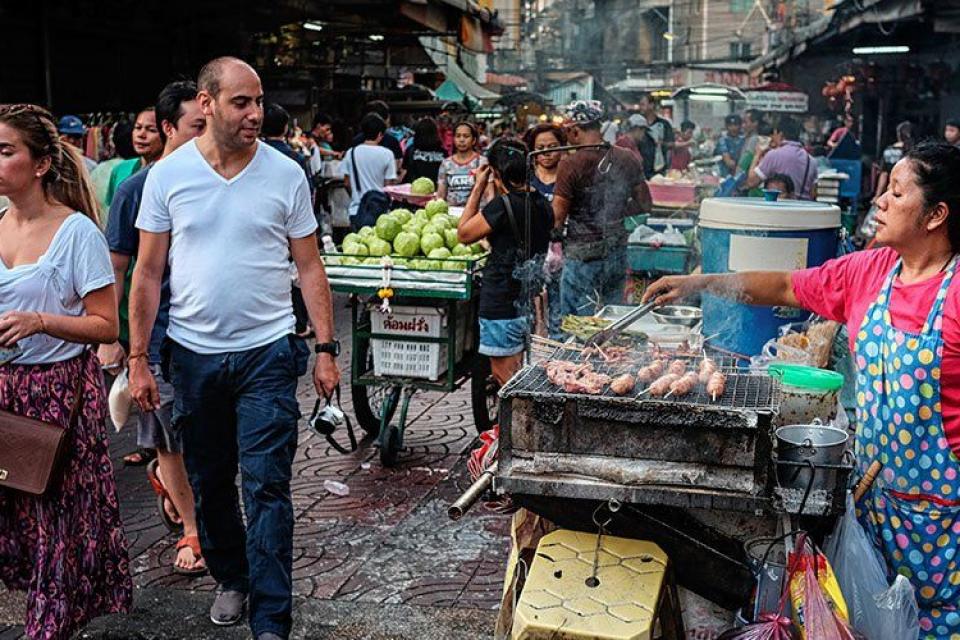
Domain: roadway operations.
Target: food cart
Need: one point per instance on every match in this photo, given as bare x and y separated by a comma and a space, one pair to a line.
424, 338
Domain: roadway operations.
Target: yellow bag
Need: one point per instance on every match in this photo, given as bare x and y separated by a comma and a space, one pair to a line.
810, 569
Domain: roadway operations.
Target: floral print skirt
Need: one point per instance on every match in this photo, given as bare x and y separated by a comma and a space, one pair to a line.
66, 548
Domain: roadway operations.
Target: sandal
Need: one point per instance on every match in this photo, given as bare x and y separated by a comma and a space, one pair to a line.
174, 523
193, 543
139, 457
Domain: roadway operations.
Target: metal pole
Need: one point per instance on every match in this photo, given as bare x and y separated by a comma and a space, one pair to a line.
672, 36
703, 28
472, 494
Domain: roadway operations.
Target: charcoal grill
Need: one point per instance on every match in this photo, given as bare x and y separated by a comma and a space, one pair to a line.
692, 451
696, 474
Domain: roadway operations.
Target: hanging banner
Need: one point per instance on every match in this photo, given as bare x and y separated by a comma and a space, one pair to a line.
782, 101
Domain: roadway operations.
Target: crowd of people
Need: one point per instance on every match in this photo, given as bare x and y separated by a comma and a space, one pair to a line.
193, 261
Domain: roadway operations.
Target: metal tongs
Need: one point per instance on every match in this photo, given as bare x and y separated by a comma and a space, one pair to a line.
617, 327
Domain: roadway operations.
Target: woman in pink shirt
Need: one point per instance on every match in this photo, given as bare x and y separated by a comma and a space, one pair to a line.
902, 308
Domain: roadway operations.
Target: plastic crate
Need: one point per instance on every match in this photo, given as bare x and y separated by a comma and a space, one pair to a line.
404, 358
665, 259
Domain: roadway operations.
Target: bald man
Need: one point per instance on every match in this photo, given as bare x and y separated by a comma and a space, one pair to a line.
226, 211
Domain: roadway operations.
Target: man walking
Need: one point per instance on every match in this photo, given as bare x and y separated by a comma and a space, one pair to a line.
596, 189
655, 146
180, 120
226, 210
368, 167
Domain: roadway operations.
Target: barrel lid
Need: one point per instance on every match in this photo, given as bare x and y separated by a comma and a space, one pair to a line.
760, 215
806, 377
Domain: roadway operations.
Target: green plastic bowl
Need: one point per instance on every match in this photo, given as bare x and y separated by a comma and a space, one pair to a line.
806, 377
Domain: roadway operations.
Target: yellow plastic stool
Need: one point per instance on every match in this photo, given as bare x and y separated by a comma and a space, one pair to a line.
633, 596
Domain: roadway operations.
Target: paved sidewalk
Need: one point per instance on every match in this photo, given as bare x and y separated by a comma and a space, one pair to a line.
382, 562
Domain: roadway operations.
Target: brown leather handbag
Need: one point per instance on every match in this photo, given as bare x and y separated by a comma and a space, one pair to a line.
31, 450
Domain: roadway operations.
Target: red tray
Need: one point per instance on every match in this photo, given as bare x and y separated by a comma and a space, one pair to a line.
402, 193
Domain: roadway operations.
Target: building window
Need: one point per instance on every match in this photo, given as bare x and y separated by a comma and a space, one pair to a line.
740, 50
741, 6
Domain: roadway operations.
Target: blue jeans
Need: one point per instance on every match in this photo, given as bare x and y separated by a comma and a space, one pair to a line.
502, 338
585, 283
240, 409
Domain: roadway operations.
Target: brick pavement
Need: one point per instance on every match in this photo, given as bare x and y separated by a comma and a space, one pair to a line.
387, 543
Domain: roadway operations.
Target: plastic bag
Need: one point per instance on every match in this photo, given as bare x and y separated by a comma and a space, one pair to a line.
119, 401
878, 611
770, 626
819, 609
640, 234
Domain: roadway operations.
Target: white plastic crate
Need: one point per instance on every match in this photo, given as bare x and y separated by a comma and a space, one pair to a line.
416, 359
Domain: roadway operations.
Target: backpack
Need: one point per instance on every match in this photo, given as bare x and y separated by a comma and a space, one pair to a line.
373, 203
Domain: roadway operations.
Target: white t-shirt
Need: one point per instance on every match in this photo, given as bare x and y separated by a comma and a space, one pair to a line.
76, 263
229, 246
375, 164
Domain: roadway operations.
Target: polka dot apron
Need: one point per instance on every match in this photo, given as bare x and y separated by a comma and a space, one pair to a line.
913, 509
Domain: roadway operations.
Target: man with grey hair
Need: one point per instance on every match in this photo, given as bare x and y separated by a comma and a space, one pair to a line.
226, 211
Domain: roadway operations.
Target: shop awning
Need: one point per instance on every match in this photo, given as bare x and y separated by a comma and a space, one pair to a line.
462, 81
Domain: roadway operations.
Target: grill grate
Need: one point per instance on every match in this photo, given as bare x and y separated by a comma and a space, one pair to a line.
743, 391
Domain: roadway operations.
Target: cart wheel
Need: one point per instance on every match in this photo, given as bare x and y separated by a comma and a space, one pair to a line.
371, 403
483, 395
390, 446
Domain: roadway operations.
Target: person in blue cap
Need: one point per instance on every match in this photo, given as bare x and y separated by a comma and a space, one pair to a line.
71, 130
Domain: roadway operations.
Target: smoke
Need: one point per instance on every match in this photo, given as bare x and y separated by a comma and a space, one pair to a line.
532, 281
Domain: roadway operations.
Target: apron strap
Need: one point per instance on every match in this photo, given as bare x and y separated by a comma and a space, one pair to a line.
936, 311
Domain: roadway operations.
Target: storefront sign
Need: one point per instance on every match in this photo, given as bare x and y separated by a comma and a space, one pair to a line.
782, 101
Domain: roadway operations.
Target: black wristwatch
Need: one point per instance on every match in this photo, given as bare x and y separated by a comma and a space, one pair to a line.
333, 348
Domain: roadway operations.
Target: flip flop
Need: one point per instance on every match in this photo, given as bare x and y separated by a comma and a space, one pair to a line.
163, 497
193, 542
139, 457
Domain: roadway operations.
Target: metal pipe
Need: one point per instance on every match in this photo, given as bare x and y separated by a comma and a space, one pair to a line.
472, 494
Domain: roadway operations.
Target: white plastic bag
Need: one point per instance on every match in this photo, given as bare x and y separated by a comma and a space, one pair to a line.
877, 610
119, 401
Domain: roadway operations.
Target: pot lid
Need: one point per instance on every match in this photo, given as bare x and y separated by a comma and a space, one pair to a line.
806, 377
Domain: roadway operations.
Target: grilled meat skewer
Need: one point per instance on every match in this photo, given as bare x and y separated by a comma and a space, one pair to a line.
707, 369
685, 384
661, 385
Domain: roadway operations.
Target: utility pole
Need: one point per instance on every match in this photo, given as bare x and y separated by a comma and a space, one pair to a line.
703, 28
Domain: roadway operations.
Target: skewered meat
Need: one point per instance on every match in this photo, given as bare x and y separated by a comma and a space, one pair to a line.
610, 355
651, 372
716, 384
707, 369
589, 382
559, 371
661, 385
622, 385
575, 377
684, 385
677, 367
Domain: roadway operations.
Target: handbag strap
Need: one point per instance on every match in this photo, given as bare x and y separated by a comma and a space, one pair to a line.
521, 243
353, 162
806, 174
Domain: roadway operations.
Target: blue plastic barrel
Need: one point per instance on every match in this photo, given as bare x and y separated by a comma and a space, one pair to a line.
750, 234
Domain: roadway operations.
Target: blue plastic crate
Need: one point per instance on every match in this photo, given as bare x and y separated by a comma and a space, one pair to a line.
665, 259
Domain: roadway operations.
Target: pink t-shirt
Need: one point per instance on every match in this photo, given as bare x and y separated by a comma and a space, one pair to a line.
844, 288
